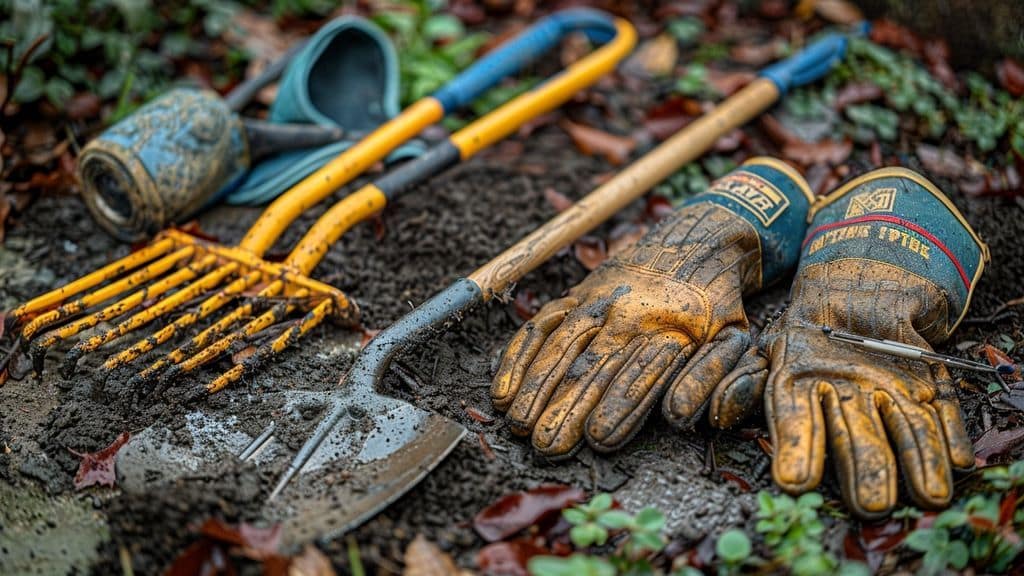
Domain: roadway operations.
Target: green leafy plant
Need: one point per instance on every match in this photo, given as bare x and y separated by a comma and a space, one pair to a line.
733, 548
792, 531
123, 49
985, 117
433, 46
593, 524
985, 530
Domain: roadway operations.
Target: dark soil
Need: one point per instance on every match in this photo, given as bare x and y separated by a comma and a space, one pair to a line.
439, 232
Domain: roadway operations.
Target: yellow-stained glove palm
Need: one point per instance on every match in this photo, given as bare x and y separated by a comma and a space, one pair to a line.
886, 256
665, 314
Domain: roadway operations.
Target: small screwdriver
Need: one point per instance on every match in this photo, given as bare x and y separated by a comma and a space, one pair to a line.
914, 353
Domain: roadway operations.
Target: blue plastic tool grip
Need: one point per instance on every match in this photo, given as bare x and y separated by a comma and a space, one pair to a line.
811, 63
521, 50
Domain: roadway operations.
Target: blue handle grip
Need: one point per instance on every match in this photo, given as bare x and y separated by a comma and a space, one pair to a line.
520, 51
811, 63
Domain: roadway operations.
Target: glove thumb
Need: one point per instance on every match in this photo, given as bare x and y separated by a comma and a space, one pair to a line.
740, 394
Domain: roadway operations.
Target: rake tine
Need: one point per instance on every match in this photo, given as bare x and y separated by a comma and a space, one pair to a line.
209, 306
137, 278
183, 296
277, 313
267, 351
199, 341
108, 272
39, 347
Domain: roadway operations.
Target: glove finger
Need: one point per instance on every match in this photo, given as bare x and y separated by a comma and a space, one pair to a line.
559, 430
635, 390
523, 348
796, 425
947, 406
740, 392
556, 355
865, 465
688, 395
923, 453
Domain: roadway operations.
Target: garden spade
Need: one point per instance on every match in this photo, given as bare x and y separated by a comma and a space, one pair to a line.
370, 449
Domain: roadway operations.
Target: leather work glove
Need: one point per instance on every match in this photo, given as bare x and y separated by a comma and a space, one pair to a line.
666, 314
887, 256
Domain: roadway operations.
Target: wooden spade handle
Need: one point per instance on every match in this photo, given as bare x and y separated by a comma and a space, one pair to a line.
568, 226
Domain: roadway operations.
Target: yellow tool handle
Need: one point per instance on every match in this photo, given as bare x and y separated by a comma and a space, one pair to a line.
483, 132
338, 172
498, 274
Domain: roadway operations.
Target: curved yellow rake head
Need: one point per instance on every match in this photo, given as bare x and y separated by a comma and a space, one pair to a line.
181, 271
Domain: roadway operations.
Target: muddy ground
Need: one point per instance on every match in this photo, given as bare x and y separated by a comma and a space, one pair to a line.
439, 232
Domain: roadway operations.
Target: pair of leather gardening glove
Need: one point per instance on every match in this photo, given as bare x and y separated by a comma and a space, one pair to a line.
885, 256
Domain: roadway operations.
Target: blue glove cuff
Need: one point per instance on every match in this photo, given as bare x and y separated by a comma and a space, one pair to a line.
774, 199
896, 216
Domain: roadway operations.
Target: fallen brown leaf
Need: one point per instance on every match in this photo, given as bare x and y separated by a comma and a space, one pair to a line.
591, 141
526, 304
311, 562
1011, 76
873, 541
941, 161
478, 415
513, 512
98, 467
834, 11
995, 442
623, 236
671, 115
728, 83
243, 354
590, 251
1004, 182
485, 446
557, 200
832, 152
891, 34
424, 558
509, 558
856, 93
656, 57
83, 106
757, 55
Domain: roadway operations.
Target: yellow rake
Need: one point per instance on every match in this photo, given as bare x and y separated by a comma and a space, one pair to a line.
179, 269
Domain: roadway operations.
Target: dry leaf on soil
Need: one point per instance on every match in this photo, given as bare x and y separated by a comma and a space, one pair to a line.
424, 558
590, 251
591, 141
311, 562
98, 467
655, 57
831, 152
513, 512
1011, 76
509, 558
995, 442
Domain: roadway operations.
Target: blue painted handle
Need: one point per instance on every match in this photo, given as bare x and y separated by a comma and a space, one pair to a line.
811, 63
521, 50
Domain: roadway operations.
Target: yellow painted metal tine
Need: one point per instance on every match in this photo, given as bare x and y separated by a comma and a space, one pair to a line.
199, 341
277, 313
108, 272
120, 307
134, 280
209, 306
164, 306
311, 320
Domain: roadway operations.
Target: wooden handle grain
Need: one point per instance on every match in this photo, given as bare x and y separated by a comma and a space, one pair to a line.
588, 213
